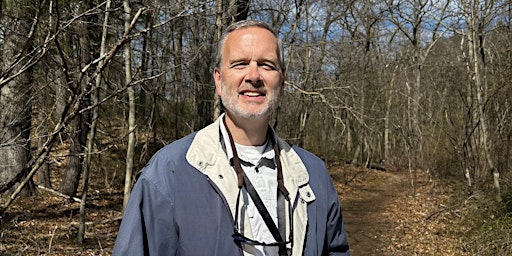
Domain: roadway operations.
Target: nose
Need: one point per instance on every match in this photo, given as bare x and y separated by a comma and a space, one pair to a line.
253, 75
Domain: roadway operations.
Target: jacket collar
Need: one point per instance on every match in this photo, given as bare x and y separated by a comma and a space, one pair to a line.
207, 149
206, 154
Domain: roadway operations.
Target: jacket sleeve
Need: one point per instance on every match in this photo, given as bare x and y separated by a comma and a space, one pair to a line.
336, 242
147, 227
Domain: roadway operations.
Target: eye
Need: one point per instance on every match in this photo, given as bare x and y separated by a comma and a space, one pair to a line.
268, 66
238, 65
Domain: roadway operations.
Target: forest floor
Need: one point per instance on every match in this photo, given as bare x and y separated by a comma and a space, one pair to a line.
382, 217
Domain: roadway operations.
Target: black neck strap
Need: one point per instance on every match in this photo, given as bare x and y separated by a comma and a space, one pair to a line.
243, 181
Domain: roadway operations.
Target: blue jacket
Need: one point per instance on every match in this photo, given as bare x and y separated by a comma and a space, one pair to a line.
184, 201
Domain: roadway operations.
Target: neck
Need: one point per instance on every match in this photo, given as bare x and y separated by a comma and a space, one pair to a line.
247, 132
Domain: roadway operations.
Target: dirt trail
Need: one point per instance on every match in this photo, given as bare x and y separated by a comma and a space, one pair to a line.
364, 201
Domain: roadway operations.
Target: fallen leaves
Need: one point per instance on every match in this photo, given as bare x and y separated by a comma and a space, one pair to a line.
408, 220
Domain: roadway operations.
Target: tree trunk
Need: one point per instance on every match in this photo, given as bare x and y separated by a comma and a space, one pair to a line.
80, 126
219, 27
92, 132
475, 18
302, 127
15, 104
387, 126
479, 77
131, 113
178, 73
43, 174
242, 10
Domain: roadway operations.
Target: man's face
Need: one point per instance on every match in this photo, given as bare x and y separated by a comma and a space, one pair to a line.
249, 79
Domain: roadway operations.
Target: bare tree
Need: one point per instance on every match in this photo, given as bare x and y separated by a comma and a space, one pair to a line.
92, 131
73, 108
130, 151
15, 94
80, 126
478, 15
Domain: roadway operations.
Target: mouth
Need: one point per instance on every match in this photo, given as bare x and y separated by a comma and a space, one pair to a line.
252, 94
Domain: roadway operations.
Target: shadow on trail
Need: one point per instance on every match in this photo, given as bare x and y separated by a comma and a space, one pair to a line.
364, 205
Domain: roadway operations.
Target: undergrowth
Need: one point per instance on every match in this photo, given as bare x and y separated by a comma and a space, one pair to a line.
488, 225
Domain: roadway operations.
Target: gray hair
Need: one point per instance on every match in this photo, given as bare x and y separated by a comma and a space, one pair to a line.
246, 24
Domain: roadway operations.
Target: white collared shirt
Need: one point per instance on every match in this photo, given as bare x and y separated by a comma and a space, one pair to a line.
258, 164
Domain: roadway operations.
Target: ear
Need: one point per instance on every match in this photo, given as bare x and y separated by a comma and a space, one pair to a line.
218, 79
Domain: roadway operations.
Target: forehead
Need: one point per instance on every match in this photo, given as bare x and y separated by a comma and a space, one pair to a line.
251, 40
252, 30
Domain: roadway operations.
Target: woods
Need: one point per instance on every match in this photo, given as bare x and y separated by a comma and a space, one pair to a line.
96, 87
